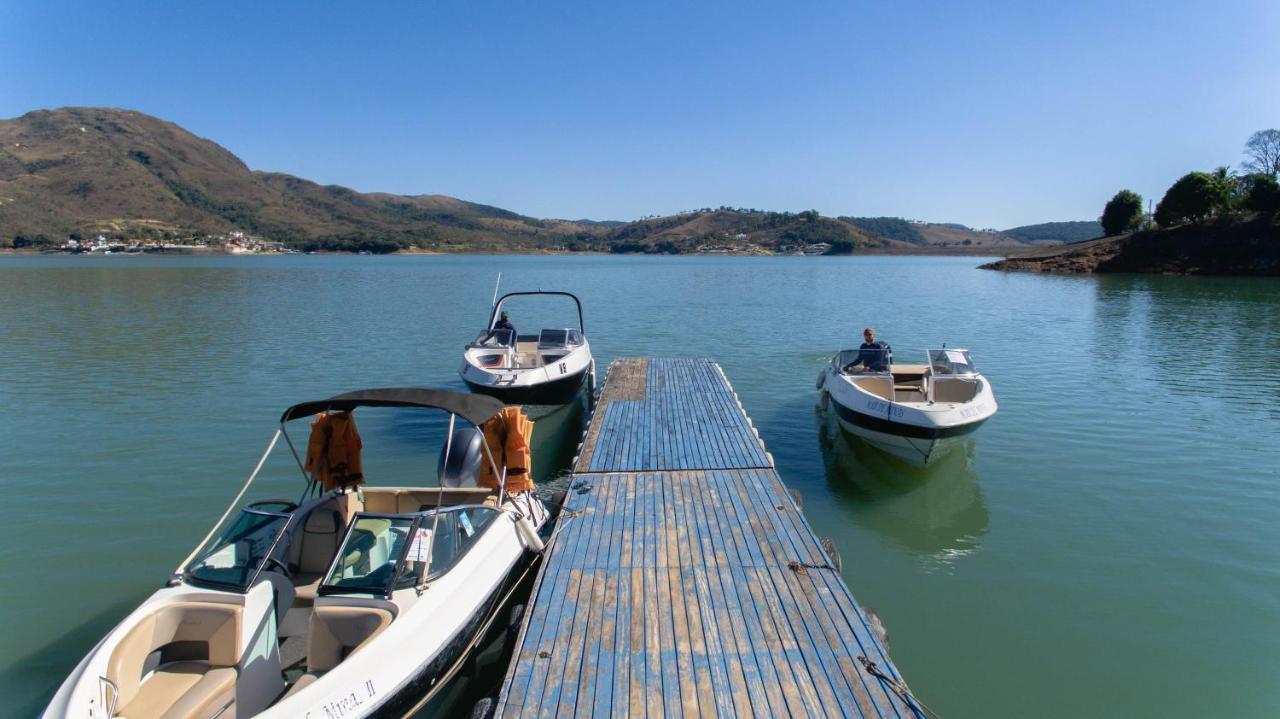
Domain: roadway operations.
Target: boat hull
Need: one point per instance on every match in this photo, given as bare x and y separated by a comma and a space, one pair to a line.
557, 391
916, 445
919, 433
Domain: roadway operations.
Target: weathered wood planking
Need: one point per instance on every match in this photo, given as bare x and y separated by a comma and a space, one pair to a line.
679, 414
683, 580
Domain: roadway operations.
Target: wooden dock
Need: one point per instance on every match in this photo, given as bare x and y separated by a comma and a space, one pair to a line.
683, 580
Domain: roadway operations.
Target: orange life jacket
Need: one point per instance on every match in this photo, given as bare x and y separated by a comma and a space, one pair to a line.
333, 451
508, 435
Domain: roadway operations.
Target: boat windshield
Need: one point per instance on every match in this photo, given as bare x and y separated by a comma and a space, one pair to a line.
559, 339
860, 361
496, 338
237, 555
945, 362
375, 547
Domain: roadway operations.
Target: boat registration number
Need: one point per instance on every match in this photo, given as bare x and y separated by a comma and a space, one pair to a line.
879, 405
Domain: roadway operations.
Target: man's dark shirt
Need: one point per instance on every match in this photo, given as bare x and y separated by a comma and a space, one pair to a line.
505, 324
874, 356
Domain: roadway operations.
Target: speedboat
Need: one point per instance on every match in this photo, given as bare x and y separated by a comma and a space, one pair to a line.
914, 411
352, 601
547, 368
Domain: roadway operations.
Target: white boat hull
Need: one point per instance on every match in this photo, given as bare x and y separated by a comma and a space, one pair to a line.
431, 635
918, 432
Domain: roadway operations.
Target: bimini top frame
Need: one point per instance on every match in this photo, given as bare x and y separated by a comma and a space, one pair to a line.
475, 408
497, 308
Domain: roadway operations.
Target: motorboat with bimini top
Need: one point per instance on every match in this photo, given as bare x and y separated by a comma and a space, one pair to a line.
916, 412
353, 601
547, 368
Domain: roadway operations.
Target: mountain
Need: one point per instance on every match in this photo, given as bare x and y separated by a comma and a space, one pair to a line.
79, 172
90, 170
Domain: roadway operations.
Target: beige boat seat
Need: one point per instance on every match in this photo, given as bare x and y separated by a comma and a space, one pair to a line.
878, 385
954, 389
199, 646
336, 633
407, 500
313, 550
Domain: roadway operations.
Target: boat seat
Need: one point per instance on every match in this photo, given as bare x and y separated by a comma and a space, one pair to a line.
315, 548
336, 633
183, 690
199, 648
407, 500
303, 682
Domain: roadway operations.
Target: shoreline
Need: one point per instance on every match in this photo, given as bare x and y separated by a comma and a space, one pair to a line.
871, 251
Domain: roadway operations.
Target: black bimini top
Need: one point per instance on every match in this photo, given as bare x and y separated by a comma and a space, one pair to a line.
475, 408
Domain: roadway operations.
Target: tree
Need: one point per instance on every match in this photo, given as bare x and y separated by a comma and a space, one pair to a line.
1263, 151
1122, 213
1261, 192
1195, 196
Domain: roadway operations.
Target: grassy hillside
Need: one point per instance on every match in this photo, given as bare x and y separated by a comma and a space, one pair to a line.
727, 229
89, 170
79, 172
1053, 232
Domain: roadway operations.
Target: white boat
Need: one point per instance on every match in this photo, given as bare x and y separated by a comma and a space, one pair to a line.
916, 412
381, 592
547, 368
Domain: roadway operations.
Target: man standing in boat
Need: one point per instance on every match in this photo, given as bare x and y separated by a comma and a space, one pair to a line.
872, 355
504, 323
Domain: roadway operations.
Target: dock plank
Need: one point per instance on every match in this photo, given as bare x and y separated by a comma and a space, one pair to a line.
682, 579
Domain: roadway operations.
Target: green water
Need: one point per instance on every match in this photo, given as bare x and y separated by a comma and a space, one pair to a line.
1105, 546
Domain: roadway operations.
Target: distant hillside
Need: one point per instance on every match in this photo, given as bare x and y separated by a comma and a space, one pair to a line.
1051, 232
890, 228
736, 230
90, 170
79, 172
1245, 245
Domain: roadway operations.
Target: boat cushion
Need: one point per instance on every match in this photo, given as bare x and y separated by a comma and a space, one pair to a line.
319, 540
338, 632
380, 500
305, 586
215, 626
182, 690
303, 682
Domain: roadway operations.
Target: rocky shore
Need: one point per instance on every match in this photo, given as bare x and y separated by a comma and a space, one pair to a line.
1231, 246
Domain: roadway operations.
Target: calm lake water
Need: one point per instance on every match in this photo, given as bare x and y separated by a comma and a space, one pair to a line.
1107, 545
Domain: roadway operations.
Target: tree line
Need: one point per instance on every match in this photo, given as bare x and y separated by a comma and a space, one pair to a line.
1197, 196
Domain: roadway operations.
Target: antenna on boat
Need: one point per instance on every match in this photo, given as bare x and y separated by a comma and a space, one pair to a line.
496, 284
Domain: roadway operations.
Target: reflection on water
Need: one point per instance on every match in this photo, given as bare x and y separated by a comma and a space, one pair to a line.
556, 434
936, 512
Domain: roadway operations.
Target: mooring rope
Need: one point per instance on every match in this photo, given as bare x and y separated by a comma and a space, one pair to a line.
898, 688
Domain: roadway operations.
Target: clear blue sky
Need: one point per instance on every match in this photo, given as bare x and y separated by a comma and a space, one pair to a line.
994, 114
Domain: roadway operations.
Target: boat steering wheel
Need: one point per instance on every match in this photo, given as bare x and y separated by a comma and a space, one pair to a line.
272, 562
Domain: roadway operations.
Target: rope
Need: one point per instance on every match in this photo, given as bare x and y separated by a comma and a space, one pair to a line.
801, 567
898, 688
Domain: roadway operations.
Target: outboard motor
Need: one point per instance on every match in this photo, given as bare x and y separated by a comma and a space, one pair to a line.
461, 468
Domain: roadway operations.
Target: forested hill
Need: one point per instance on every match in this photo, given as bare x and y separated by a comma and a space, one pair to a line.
81, 172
